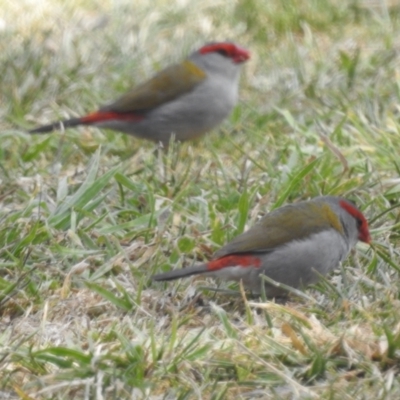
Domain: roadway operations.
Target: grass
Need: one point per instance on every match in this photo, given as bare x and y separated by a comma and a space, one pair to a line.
88, 216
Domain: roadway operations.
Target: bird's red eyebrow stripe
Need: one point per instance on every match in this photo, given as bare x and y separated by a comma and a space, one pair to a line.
364, 234
353, 211
234, 261
233, 51
100, 116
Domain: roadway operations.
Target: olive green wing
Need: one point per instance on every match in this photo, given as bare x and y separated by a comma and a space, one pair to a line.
165, 86
292, 222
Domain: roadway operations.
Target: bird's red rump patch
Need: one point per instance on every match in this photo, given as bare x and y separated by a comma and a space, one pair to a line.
100, 116
243, 260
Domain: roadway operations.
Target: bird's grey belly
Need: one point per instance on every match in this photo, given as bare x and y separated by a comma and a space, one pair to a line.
303, 262
298, 263
186, 118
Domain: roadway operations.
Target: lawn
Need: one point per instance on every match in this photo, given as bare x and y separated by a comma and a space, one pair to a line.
89, 215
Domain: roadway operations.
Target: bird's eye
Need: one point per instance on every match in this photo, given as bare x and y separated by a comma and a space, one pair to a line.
223, 52
359, 223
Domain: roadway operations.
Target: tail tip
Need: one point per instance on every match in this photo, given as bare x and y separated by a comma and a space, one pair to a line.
42, 129
159, 278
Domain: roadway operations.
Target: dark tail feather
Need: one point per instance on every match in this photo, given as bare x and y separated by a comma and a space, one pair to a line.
181, 273
68, 123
